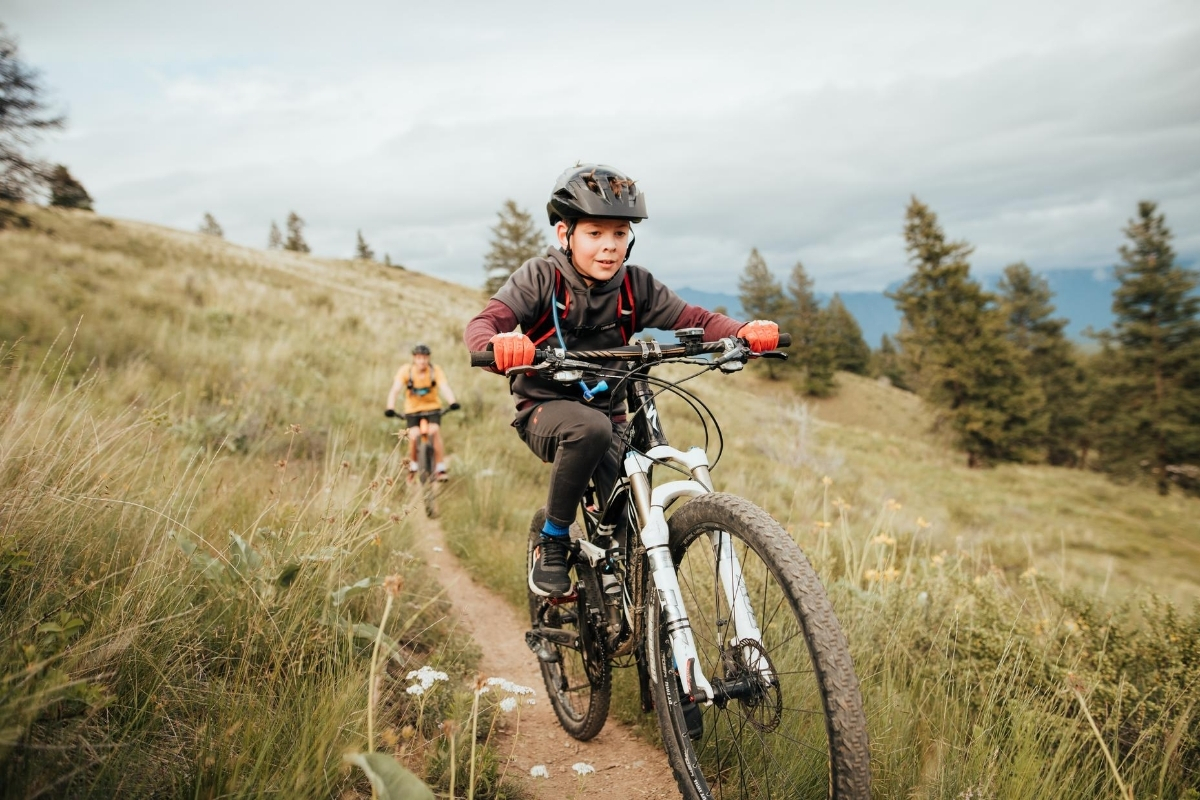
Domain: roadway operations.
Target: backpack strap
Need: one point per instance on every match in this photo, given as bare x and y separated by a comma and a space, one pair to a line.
560, 304
425, 389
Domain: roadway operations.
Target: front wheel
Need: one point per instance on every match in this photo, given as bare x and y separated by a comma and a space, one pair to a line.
428, 478
788, 720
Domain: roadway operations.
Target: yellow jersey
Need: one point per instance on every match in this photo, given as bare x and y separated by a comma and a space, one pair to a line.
420, 390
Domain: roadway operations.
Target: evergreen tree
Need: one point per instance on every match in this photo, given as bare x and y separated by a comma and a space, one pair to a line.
515, 240
295, 238
850, 351
209, 226
1152, 359
812, 347
274, 238
761, 295
953, 342
24, 119
885, 363
1049, 360
362, 251
66, 191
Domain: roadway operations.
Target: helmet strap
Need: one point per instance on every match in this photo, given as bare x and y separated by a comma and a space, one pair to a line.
632, 242
570, 233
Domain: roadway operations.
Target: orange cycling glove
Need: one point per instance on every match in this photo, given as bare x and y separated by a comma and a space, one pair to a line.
513, 349
761, 334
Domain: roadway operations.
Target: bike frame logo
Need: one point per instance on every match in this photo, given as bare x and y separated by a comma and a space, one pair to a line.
652, 420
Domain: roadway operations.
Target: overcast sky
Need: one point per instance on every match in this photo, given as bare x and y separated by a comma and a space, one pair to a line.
1032, 128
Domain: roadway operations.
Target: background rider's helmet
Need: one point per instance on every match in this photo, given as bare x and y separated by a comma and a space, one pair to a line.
597, 191
420, 349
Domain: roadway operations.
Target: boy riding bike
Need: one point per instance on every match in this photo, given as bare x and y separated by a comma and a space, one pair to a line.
423, 384
583, 294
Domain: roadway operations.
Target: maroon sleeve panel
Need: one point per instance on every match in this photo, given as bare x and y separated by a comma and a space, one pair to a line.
495, 318
716, 326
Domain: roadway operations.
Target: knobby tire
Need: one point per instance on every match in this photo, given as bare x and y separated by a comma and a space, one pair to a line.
805, 737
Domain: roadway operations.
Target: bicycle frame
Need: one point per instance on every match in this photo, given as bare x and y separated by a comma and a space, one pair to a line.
649, 506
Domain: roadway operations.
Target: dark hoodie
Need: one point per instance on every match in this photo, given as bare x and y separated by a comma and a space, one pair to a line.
529, 293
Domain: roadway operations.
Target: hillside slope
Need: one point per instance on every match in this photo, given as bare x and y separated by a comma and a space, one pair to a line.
157, 381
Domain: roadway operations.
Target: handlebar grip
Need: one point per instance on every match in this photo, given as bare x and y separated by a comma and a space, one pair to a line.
483, 358
785, 340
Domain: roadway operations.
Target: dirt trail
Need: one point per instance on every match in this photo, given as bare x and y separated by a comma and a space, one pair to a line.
626, 766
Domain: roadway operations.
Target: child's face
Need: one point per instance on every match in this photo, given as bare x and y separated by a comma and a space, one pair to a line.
421, 360
597, 246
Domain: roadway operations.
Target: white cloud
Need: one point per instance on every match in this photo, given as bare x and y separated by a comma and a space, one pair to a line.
1032, 130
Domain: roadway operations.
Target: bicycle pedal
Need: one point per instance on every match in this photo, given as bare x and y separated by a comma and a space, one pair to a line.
541, 648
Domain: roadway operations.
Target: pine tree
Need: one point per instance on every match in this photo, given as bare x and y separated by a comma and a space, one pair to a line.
1152, 360
760, 294
812, 347
1049, 360
362, 251
209, 226
295, 238
515, 240
24, 119
274, 238
954, 345
850, 351
66, 191
885, 363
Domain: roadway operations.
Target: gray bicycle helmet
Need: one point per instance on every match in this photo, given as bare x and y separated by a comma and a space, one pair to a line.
597, 191
420, 349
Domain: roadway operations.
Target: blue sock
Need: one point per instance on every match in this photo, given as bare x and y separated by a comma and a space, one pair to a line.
555, 530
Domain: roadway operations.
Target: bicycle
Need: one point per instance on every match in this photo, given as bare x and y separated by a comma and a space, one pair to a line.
426, 463
735, 642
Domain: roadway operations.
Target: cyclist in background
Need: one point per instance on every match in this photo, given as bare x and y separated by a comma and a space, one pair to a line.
424, 385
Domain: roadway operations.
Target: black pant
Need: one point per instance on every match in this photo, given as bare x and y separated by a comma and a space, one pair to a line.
580, 441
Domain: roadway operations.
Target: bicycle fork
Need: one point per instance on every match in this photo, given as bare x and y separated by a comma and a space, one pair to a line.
650, 504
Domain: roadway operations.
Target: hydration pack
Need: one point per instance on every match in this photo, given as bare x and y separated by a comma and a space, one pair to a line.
424, 390
626, 319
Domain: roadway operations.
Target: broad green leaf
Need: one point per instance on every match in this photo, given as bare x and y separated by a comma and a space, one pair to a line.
391, 781
365, 630
288, 575
242, 555
346, 592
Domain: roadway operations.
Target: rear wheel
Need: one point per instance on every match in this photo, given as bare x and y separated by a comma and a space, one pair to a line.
788, 719
578, 677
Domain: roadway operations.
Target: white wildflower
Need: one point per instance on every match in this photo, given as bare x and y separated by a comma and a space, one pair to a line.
539, 771
427, 676
508, 704
416, 690
582, 768
509, 686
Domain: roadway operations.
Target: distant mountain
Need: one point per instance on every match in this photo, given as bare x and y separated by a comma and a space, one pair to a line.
1080, 296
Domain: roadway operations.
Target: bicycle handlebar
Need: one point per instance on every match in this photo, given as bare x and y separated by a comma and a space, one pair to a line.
486, 358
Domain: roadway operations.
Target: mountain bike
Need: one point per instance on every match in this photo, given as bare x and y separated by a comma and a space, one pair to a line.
735, 642
427, 463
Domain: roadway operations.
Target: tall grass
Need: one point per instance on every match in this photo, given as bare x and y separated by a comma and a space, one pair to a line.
982, 642
197, 512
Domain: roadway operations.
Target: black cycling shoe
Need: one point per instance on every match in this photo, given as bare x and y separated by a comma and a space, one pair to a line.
549, 577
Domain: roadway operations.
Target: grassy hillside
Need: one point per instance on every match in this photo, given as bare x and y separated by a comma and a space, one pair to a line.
164, 391
193, 469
